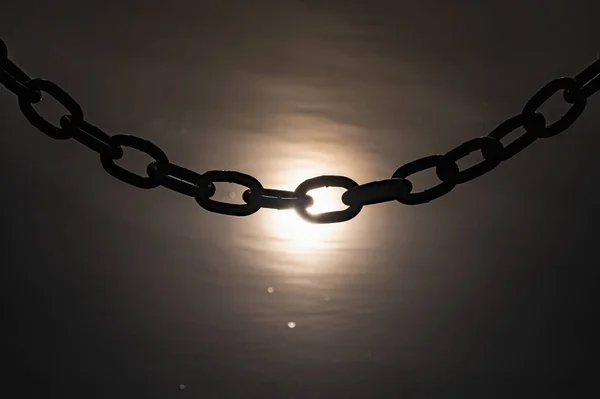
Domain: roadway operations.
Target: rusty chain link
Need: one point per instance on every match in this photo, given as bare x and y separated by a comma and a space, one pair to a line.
161, 172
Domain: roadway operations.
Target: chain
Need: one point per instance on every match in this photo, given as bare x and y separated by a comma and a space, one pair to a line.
161, 172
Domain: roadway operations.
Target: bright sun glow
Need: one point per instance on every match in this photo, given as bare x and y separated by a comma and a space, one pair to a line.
301, 235
309, 148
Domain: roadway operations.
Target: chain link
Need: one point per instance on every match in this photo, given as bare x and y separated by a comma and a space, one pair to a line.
491, 149
327, 217
377, 192
14, 79
521, 142
588, 81
576, 91
181, 180
3, 55
277, 199
45, 86
90, 136
228, 176
126, 176
544, 94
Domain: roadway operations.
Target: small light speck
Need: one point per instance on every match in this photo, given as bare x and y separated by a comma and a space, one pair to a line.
292, 324
270, 290
182, 386
231, 194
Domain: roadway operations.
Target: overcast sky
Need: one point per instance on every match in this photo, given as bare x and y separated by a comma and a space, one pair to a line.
116, 292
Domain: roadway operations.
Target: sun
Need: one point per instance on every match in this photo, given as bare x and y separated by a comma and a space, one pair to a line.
299, 235
284, 163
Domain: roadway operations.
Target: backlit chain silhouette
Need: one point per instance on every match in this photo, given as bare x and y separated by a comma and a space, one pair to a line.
161, 172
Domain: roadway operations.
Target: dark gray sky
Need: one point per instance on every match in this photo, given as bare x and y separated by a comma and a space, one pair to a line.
115, 292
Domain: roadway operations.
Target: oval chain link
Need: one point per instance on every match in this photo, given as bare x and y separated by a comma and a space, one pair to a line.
419, 165
377, 192
277, 199
59, 95
3, 54
521, 142
224, 208
179, 179
576, 92
326, 217
568, 85
491, 149
126, 140
587, 81
14, 79
91, 137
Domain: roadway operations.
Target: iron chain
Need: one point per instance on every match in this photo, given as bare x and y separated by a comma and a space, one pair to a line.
14, 79
277, 199
327, 217
161, 172
224, 208
45, 86
181, 180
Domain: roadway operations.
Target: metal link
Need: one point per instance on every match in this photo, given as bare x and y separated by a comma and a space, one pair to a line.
277, 199
591, 88
589, 73
227, 176
544, 95
124, 175
377, 192
11, 69
420, 165
178, 179
327, 217
3, 54
522, 142
491, 149
59, 95
91, 137
583, 80
15, 80
161, 172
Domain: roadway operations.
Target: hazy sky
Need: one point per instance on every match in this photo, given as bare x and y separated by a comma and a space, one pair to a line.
116, 292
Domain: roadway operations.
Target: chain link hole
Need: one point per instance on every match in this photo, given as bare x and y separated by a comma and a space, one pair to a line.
50, 109
513, 136
424, 180
555, 107
472, 159
327, 199
134, 161
230, 193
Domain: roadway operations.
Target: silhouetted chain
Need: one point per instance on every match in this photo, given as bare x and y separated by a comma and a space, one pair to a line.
161, 172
